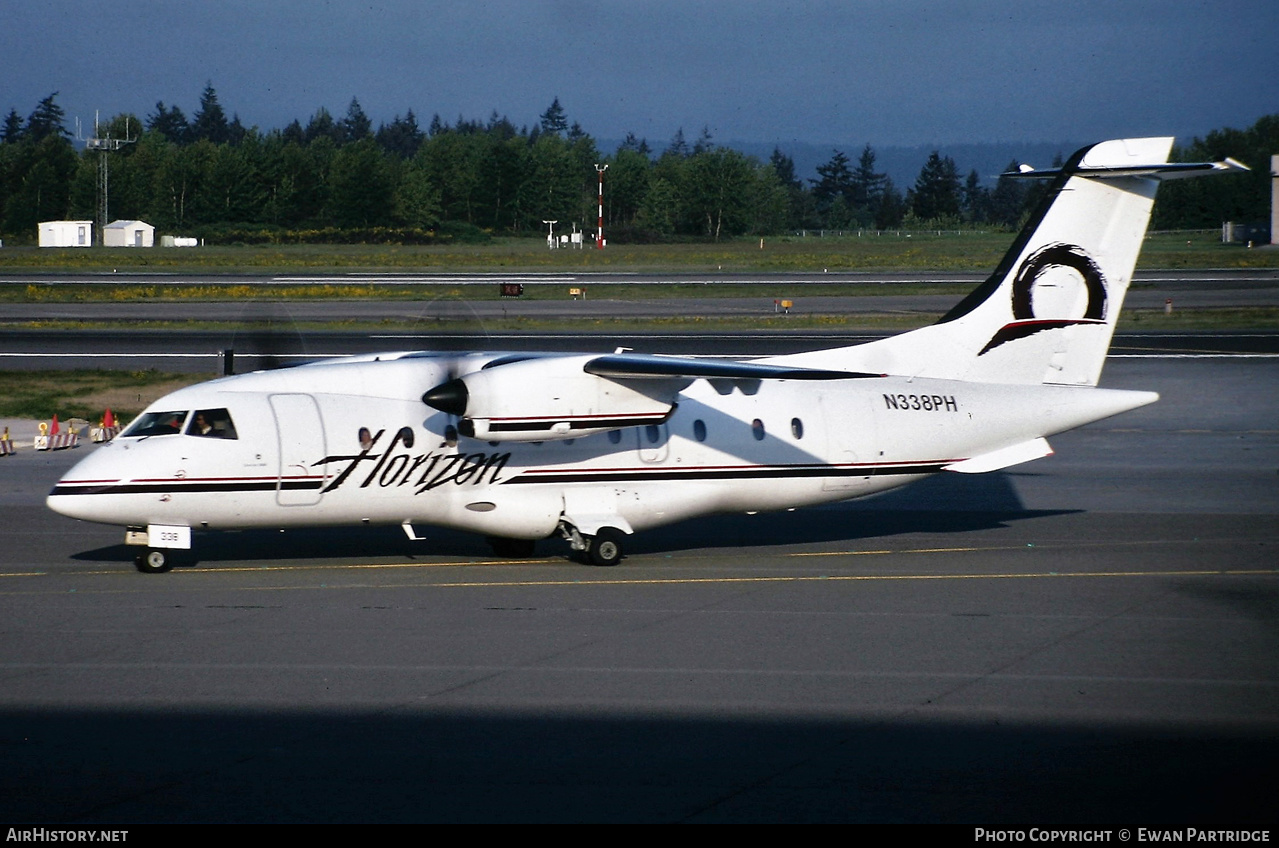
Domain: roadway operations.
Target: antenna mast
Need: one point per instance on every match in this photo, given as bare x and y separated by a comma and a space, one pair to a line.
104, 146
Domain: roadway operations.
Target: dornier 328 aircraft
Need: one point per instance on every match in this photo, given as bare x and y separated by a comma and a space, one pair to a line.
595, 447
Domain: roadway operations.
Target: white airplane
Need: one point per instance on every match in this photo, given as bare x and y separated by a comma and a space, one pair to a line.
595, 447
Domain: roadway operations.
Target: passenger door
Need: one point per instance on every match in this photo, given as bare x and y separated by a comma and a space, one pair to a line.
300, 432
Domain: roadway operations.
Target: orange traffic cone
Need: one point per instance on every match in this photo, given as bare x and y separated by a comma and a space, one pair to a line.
108, 420
53, 430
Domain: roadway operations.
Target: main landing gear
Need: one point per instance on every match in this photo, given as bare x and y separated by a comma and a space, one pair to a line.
604, 548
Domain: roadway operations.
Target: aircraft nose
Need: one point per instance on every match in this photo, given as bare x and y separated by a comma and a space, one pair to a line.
448, 397
80, 492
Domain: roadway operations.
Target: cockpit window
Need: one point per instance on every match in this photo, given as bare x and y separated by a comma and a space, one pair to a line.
212, 424
156, 424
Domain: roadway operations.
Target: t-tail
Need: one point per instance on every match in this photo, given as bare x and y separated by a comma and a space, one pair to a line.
1047, 314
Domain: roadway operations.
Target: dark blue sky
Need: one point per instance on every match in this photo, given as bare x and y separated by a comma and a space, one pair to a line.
884, 72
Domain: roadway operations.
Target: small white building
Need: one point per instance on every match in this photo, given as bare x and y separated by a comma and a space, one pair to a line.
128, 234
66, 233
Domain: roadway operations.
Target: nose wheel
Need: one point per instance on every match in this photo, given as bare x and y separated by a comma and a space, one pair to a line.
154, 561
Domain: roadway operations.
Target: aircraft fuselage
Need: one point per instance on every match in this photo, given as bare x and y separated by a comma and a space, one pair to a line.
304, 454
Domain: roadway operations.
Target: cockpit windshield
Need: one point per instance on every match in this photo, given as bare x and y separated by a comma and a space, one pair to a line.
156, 424
212, 424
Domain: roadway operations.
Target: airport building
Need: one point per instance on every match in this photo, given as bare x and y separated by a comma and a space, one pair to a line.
66, 234
128, 234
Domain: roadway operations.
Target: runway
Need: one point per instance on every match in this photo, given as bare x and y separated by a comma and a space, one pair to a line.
283, 332
1091, 638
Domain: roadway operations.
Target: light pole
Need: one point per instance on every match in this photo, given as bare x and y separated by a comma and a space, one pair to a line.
599, 232
550, 233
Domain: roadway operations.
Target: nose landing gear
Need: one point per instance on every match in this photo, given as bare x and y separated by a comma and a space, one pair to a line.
156, 560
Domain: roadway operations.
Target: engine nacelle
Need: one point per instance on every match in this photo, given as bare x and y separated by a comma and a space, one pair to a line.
551, 398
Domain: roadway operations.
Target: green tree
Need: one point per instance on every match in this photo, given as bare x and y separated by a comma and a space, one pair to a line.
48, 119
12, 131
553, 120
976, 200
210, 123
718, 191
170, 122
362, 190
892, 207
402, 137
768, 202
37, 181
937, 190
178, 182
234, 191
295, 177
678, 146
833, 191
867, 189
627, 186
417, 197
322, 125
1008, 199
453, 161
659, 210
800, 211
551, 184
356, 126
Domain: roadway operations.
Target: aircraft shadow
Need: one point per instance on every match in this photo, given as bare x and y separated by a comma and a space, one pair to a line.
341, 765
947, 504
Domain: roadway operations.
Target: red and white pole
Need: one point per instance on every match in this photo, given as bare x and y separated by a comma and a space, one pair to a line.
599, 232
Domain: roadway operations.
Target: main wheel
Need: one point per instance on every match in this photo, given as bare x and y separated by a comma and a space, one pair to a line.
153, 561
606, 546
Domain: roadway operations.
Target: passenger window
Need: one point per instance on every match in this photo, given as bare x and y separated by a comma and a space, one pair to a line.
156, 424
615, 436
653, 433
212, 424
757, 430
797, 428
699, 430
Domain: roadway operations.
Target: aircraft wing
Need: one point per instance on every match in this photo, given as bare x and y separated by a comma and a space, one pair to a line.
563, 397
639, 366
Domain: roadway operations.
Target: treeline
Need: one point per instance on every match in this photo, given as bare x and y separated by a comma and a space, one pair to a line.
339, 179
1245, 198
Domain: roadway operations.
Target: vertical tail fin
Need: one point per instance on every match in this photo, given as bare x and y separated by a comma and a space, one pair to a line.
1048, 312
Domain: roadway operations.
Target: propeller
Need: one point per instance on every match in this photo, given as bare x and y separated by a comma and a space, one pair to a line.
452, 323
268, 337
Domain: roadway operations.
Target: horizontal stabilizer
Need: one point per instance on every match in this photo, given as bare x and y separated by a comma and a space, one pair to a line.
1167, 171
638, 366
